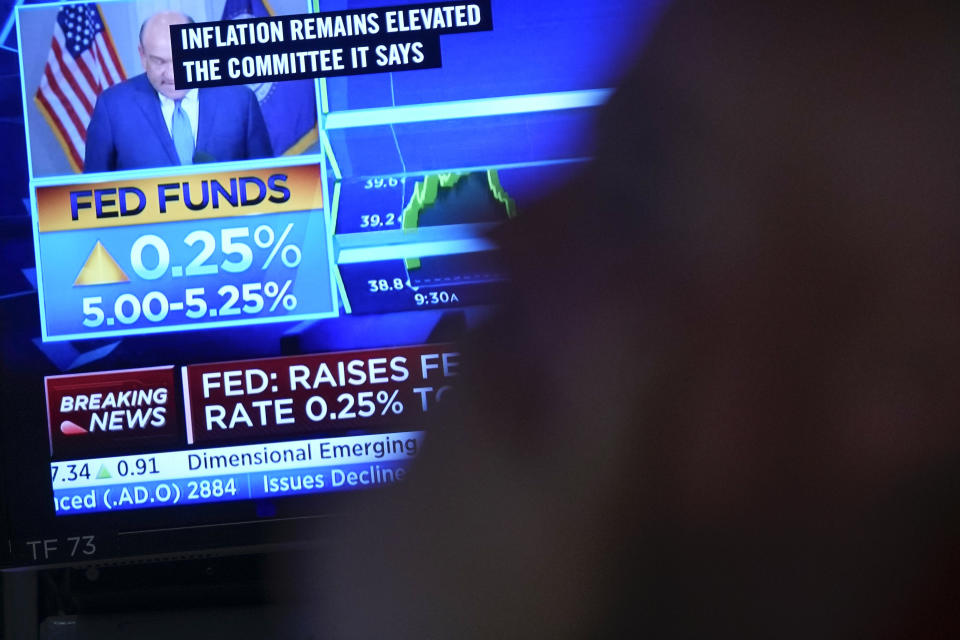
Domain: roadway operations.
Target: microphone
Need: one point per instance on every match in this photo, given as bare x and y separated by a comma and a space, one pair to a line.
200, 157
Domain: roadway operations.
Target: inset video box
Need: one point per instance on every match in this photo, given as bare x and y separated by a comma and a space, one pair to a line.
170, 253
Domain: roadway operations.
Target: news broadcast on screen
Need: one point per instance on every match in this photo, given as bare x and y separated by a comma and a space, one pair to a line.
241, 240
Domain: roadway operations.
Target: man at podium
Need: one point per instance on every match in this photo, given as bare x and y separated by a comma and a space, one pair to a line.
147, 122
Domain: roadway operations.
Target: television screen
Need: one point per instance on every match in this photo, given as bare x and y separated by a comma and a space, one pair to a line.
226, 308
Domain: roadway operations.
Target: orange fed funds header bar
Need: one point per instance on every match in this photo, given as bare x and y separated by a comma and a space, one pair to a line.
222, 194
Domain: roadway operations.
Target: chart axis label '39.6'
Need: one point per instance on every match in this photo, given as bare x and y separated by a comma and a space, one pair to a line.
174, 253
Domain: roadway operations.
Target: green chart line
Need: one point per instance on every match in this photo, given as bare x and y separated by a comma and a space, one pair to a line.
425, 194
501, 195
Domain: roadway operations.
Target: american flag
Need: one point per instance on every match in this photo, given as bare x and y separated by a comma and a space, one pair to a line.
82, 62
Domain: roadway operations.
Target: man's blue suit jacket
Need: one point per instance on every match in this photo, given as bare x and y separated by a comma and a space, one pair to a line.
127, 130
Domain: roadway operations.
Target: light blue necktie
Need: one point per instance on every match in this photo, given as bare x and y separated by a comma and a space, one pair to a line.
182, 134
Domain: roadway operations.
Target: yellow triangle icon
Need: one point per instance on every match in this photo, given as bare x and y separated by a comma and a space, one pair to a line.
100, 268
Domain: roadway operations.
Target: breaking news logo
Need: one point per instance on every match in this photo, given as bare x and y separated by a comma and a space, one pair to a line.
110, 411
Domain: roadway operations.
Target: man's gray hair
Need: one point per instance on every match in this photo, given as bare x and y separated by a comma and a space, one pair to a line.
143, 25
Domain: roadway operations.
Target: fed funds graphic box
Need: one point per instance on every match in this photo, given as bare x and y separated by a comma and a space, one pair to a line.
147, 255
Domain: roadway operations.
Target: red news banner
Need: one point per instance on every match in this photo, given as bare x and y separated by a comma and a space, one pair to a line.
294, 395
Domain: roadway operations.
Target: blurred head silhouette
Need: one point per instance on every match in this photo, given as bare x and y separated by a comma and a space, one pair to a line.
722, 398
